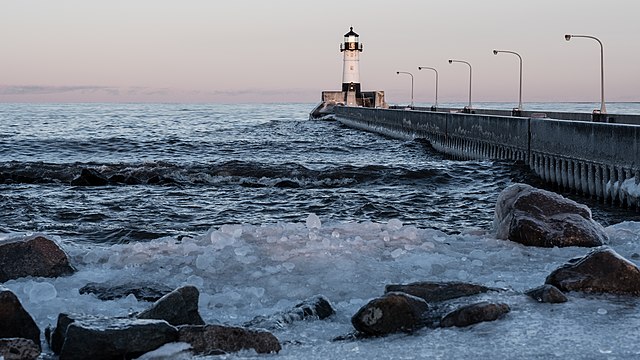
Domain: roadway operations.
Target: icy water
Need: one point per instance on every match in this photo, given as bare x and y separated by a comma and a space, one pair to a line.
261, 208
177, 170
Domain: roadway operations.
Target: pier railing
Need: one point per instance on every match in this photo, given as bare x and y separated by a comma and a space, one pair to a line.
593, 158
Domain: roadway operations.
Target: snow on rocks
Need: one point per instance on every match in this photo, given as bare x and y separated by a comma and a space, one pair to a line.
536, 217
32, 256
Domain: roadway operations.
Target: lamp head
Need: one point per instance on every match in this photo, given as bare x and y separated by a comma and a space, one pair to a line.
567, 37
495, 52
419, 67
398, 72
450, 61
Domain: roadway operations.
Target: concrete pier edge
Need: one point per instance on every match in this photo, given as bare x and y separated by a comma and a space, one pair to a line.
595, 159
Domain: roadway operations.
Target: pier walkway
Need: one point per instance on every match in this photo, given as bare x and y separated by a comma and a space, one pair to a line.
598, 158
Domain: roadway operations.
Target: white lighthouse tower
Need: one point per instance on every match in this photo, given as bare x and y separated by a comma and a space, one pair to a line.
351, 67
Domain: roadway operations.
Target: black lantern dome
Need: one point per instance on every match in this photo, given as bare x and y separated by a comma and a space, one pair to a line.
351, 41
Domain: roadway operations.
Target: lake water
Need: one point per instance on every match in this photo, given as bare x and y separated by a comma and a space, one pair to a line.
260, 208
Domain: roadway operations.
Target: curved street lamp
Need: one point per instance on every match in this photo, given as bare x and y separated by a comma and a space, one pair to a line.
464, 62
410, 74
603, 109
496, 52
436, 71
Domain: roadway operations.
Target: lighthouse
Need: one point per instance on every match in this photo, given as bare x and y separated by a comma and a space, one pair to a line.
351, 67
351, 94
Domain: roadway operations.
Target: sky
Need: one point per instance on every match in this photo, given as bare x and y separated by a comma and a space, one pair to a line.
252, 51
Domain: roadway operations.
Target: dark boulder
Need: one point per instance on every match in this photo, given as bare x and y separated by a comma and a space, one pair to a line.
18, 349
179, 307
438, 291
536, 217
113, 338
37, 256
393, 312
216, 339
547, 294
600, 271
142, 291
15, 321
89, 177
317, 307
474, 313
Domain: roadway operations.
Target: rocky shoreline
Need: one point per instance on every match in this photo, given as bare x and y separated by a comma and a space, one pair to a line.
524, 214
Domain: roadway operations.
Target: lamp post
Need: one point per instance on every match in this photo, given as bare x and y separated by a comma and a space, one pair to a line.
410, 74
496, 52
436, 71
603, 109
464, 62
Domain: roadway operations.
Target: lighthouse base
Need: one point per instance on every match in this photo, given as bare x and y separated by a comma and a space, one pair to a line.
331, 99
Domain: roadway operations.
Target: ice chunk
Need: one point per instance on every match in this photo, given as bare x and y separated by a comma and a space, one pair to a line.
394, 224
170, 351
41, 292
313, 222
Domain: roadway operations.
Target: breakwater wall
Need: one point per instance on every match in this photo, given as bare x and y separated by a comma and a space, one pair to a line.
600, 160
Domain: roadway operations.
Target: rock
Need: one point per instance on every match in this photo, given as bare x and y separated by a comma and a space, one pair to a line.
18, 349
179, 307
89, 177
37, 256
547, 294
536, 217
144, 292
393, 312
15, 321
438, 291
600, 271
92, 337
216, 339
474, 313
317, 307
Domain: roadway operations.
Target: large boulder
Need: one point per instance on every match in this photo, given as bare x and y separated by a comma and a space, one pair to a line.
36, 256
393, 312
18, 349
92, 337
475, 313
600, 271
317, 307
217, 339
536, 217
142, 291
15, 321
438, 291
179, 307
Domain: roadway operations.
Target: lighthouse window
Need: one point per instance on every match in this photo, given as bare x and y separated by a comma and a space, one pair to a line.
351, 67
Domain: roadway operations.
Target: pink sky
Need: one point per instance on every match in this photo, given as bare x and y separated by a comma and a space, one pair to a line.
287, 51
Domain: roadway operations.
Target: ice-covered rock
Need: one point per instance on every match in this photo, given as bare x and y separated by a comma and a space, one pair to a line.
217, 339
600, 271
113, 338
475, 313
438, 291
547, 294
36, 256
317, 307
536, 217
18, 349
179, 307
15, 321
393, 312
142, 291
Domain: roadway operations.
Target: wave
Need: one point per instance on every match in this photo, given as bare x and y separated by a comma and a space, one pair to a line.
235, 172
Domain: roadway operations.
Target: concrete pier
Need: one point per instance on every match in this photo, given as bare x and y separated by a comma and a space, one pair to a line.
595, 159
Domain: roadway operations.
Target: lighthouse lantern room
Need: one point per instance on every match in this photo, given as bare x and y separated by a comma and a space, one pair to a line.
351, 70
